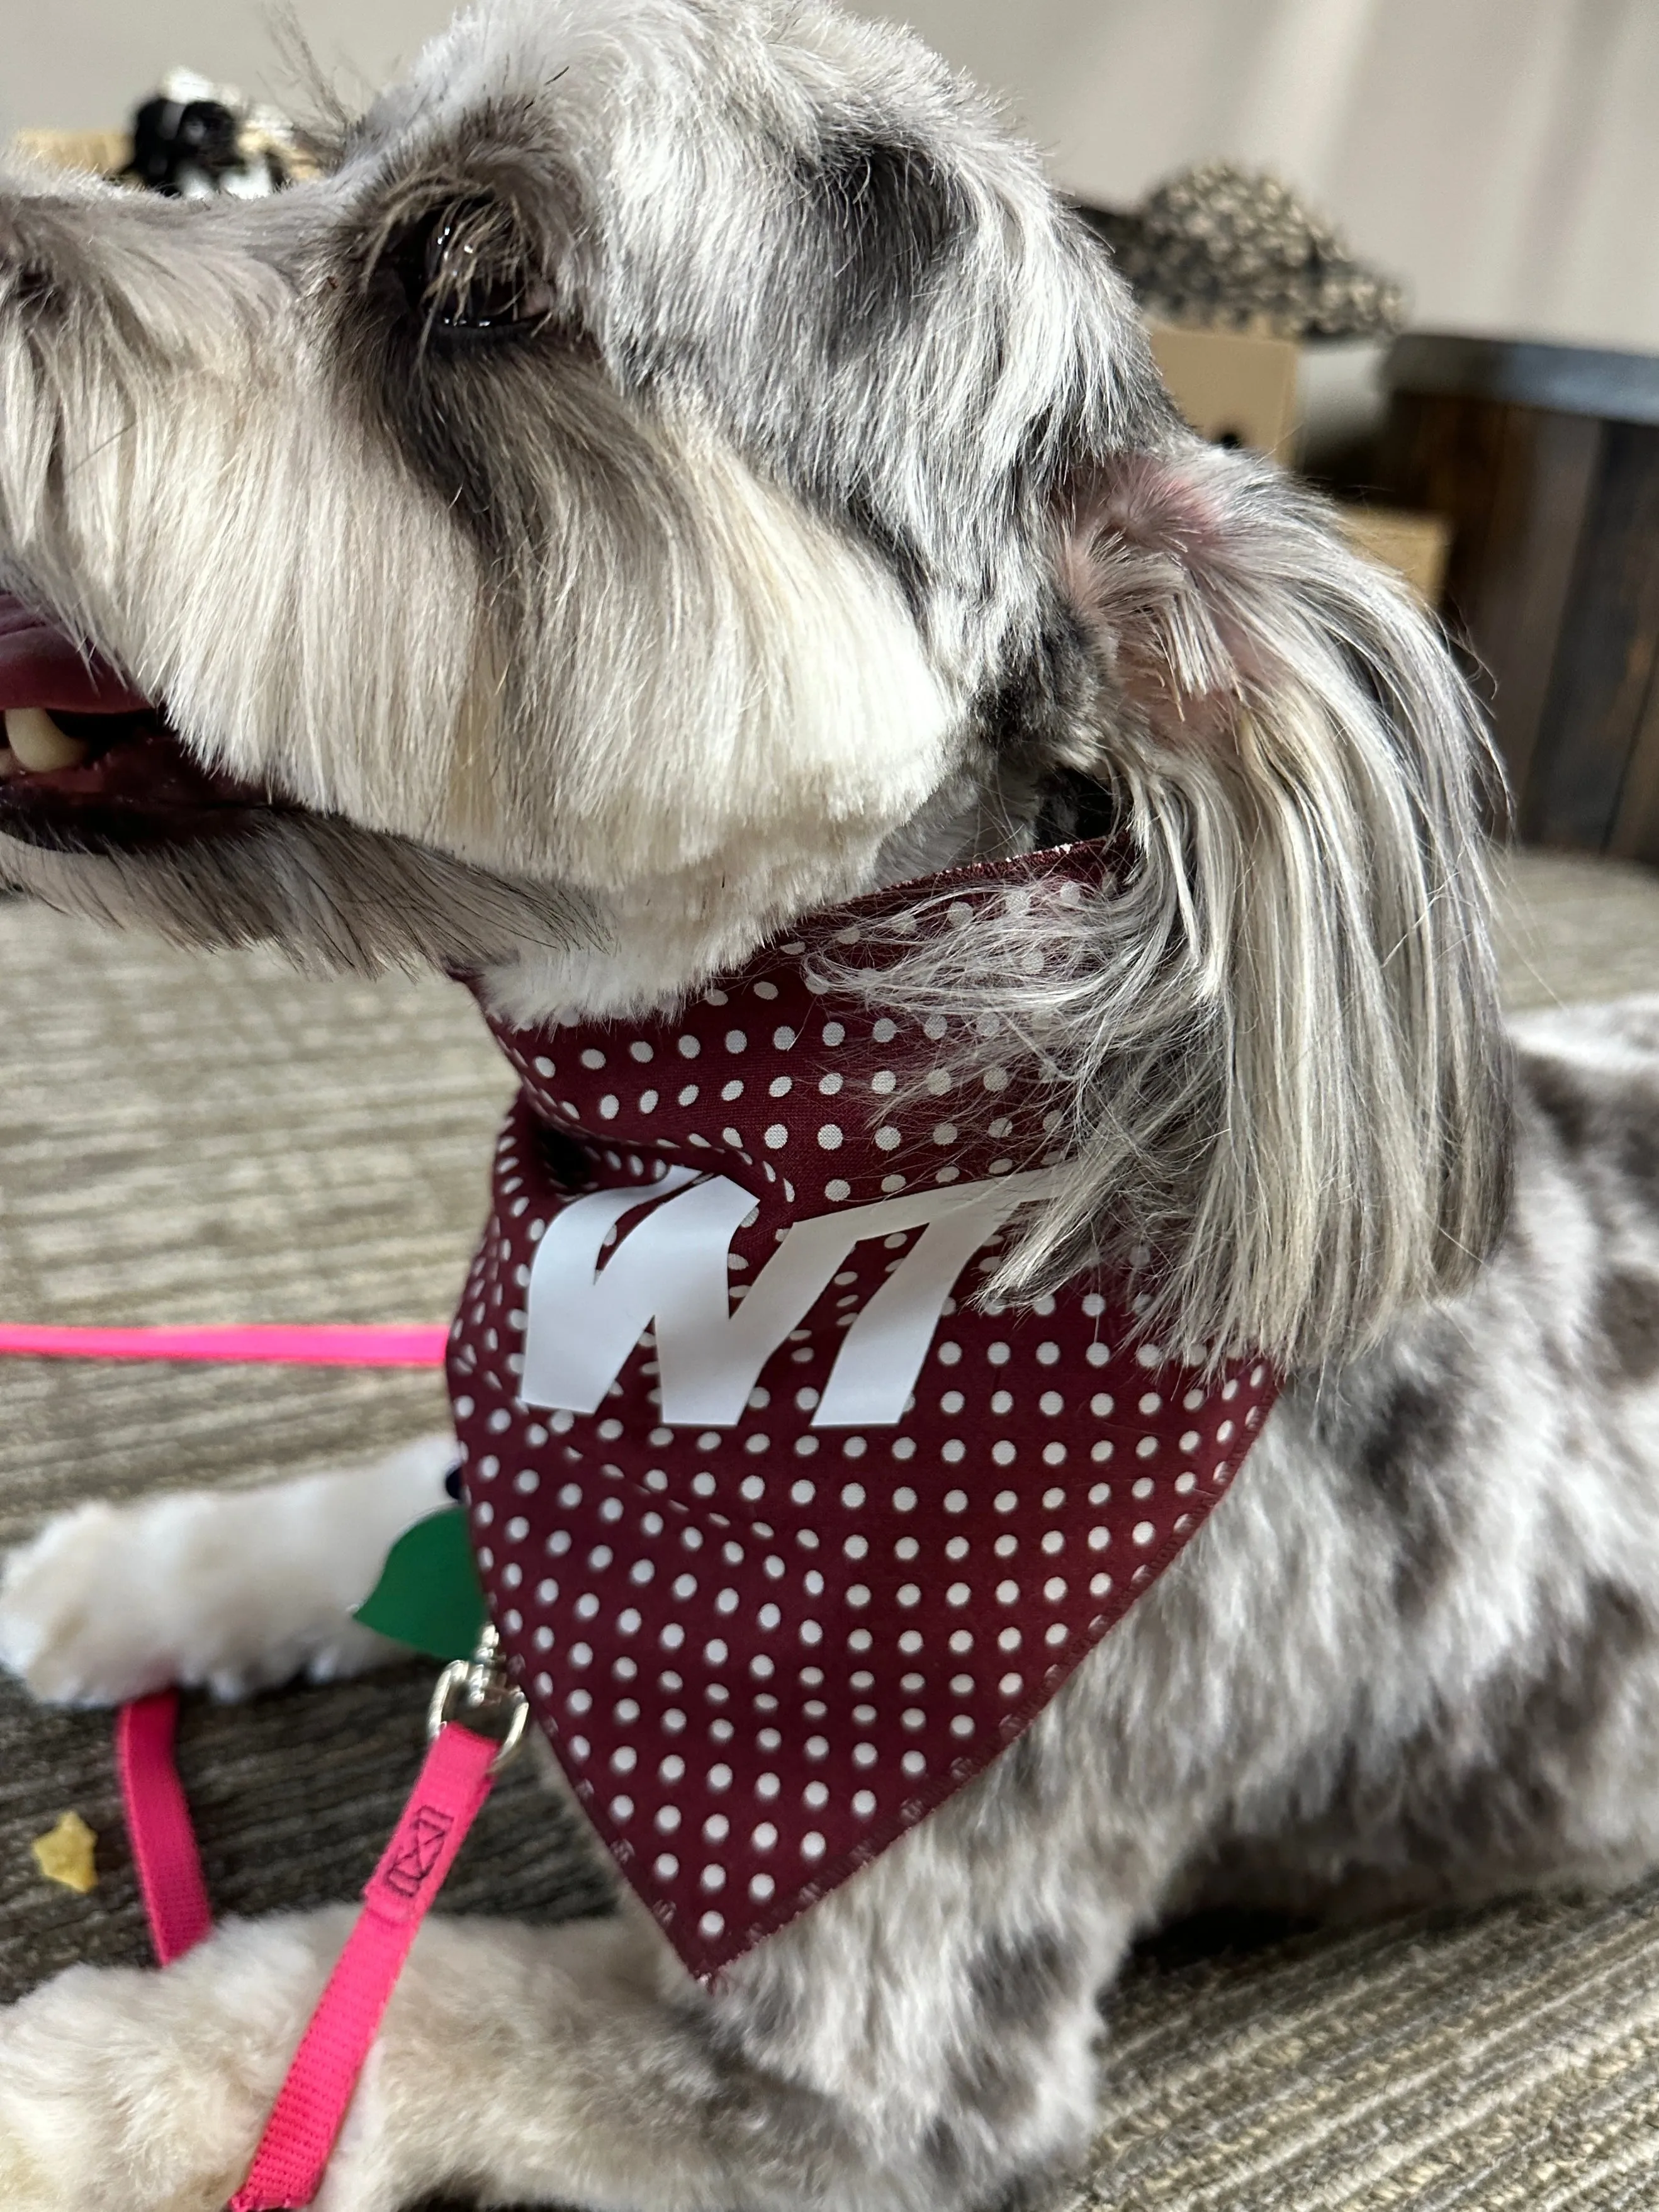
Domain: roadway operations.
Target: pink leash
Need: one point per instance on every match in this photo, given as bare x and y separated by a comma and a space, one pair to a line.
454, 1783
311, 2108
164, 1853
302, 1344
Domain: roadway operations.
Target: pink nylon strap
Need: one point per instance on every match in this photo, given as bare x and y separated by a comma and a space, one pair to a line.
164, 1850
306, 2121
298, 1344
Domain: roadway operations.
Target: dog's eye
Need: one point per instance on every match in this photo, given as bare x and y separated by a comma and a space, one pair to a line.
462, 269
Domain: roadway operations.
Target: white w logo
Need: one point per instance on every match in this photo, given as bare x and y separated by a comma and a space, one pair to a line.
583, 1321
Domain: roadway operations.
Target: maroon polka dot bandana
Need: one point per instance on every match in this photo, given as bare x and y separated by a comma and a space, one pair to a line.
787, 1534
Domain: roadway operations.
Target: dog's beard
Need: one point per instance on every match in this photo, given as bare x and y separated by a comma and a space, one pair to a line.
330, 894
105, 810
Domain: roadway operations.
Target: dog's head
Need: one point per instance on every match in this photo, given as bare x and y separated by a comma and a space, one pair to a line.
682, 465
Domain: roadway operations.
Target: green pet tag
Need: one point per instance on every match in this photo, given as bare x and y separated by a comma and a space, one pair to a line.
428, 1596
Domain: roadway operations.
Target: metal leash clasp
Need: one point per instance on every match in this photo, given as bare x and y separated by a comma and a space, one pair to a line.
480, 1686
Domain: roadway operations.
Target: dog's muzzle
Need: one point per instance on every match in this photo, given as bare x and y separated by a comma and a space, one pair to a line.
89, 764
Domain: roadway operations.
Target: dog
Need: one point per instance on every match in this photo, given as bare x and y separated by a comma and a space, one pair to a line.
679, 468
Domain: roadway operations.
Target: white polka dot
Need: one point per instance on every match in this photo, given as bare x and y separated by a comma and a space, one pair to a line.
1144, 1533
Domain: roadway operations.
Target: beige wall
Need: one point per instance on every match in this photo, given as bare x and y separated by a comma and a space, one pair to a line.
82, 64
1502, 155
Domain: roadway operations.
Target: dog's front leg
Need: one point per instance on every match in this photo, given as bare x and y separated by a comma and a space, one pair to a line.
233, 1590
920, 2041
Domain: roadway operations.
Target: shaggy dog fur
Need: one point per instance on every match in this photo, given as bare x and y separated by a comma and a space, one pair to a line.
679, 467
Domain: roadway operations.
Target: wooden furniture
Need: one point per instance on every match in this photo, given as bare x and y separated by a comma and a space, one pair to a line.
1546, 460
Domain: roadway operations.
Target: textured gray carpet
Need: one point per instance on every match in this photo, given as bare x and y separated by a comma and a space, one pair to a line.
186, 1140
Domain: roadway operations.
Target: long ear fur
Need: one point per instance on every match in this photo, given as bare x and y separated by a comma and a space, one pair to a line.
1275, 1035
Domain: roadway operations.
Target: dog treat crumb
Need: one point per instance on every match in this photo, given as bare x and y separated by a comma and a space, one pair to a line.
67, 1855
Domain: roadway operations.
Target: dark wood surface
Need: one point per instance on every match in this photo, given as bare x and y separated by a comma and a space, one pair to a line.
1563, 380
1597, 704
1553, 588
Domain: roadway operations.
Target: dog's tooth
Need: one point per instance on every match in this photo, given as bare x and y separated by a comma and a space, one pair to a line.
38, 743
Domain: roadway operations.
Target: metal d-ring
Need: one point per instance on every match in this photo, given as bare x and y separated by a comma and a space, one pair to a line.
480, 1684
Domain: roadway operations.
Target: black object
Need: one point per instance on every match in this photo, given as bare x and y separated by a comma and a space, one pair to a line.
169, 136
190, 145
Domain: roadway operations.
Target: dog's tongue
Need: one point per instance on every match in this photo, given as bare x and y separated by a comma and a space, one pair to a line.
40, 666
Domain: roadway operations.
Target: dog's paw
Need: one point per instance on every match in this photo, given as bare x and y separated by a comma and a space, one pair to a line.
201, 1589
133, 2091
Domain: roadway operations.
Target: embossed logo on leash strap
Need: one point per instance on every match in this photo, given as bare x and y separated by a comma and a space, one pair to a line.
426, 1829
452, 1787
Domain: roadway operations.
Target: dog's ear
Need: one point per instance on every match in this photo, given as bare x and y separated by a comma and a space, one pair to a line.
1288, 1069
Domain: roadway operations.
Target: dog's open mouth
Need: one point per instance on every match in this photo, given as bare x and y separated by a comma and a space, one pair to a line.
89, 764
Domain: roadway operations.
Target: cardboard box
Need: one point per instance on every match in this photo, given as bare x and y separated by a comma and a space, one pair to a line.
1234, 387
1416, 546
103, 152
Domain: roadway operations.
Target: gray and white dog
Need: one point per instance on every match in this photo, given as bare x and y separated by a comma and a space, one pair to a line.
679, 467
